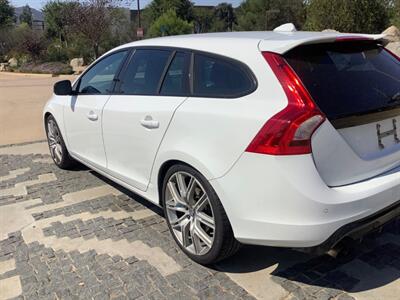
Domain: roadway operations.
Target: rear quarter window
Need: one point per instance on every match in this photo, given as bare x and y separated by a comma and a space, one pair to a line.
220, 78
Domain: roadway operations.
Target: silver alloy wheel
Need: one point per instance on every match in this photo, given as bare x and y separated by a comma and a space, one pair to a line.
190, 213
54, 139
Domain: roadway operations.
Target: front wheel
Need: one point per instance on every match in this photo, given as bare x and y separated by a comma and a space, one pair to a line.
195, 216
58, 150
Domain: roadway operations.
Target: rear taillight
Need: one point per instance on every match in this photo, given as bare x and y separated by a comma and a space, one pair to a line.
289, 131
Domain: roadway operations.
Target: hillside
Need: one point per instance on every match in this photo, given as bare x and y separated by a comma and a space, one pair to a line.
36, 14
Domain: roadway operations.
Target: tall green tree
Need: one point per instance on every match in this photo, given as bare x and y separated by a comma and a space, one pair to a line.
203, 19
226, 14
6, 13
56, 18
26, 16
182, 8
366, 16
170, 24
395, 13
268, 14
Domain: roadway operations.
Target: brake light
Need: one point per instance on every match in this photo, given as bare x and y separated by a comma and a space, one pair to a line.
352, 38
289, 131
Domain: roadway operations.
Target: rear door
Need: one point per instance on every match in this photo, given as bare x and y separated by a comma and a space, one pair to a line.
357, 85
153, 85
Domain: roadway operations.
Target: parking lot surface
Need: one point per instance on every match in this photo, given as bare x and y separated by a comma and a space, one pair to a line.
22, 98
75, 235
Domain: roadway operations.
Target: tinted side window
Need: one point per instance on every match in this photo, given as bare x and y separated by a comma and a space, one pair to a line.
176, 80
216, 77
100, 78
144, 72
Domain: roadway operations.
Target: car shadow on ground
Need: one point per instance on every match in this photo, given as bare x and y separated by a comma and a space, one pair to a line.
349, 271
132, 195
359, 266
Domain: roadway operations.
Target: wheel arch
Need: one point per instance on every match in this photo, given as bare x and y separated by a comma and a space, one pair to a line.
46, 115
55, 108
163, 171
174, 160
229, 244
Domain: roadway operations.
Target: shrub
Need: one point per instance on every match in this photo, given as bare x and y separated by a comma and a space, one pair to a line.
46, 68
170, 24
366, 16
56, 52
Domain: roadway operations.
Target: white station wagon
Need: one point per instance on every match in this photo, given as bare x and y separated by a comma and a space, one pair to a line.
285, 139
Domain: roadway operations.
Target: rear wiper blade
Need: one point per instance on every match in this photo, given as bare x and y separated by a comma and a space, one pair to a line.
395, 98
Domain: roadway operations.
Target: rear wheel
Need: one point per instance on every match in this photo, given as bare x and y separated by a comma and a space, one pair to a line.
58, 150
195, 216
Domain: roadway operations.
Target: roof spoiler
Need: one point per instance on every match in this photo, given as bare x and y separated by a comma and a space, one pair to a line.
275, 44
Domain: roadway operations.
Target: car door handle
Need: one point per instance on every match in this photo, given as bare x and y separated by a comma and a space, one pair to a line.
149, 123
92, 116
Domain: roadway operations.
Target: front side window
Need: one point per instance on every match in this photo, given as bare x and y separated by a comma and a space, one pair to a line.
143, 74
215, 77
100, 78
176, 81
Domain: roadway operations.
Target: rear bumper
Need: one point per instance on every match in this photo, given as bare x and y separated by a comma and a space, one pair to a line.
282, 201
359, 228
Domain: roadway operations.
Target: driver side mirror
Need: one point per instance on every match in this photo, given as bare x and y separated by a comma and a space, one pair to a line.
63, 88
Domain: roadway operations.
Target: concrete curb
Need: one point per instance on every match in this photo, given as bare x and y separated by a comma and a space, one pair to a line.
36, 75
22, 144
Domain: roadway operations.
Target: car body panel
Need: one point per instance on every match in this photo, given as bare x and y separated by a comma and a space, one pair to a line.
269, 200
130, 147
55, 107
85, 135
282, 200
349, 155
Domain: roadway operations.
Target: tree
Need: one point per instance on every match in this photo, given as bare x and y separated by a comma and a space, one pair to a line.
121, 30
56, 18
225, 13
26, 15
268, 14
395, 13
366, 16
25, 41
92, 19
203, 19
169, 24
182, 8
6, 13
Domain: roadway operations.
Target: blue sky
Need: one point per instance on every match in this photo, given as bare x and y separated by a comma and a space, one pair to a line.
38, 4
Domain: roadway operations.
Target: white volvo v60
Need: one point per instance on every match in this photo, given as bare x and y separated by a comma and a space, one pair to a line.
287, 139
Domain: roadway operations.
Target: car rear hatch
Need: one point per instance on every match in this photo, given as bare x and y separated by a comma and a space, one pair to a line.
356, 84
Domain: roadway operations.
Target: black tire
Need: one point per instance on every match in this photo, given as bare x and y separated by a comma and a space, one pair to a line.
66, 162
224, 244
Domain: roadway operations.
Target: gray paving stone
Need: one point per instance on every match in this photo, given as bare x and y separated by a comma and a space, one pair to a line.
48, 274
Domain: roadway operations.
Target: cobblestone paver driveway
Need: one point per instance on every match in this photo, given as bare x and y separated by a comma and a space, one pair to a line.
75, 235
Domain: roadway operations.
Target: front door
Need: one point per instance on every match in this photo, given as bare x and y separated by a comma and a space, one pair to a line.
83, 113
151, 88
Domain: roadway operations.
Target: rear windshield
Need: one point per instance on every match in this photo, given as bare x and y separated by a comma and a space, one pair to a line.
348, 78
